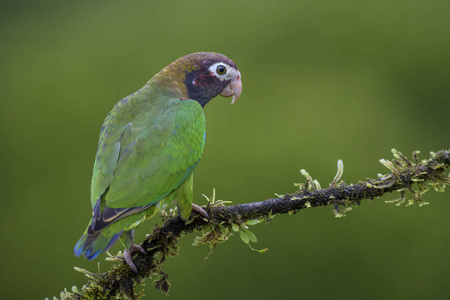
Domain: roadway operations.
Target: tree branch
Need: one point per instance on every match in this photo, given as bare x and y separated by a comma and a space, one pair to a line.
161, 243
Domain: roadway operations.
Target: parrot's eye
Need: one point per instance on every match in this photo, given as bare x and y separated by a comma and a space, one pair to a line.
221, 69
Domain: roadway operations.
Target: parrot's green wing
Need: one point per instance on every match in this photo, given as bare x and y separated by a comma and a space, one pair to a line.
142, 161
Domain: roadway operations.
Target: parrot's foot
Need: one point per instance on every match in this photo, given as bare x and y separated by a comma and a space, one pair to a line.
200, 210
127, 256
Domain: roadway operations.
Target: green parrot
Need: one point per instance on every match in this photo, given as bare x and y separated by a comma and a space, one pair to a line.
149, 146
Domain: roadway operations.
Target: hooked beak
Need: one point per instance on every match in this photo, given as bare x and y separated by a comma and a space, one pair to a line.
234, 88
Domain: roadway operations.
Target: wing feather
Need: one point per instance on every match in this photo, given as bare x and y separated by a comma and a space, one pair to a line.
142, 160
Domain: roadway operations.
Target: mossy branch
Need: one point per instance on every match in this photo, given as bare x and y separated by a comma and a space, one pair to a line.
408, 177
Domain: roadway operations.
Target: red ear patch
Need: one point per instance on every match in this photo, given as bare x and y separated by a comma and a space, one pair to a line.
199, 79
183, 98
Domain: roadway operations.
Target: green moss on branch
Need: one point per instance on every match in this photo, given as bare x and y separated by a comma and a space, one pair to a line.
411, 178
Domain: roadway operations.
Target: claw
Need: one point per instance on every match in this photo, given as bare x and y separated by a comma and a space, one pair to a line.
129, 260
137, 248
200, 210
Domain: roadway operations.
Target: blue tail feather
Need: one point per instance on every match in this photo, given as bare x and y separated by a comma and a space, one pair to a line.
92, 245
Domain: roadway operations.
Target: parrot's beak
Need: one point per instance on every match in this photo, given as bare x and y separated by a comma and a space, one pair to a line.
234, 88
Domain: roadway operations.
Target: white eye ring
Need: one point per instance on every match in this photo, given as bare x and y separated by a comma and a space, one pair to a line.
214, 70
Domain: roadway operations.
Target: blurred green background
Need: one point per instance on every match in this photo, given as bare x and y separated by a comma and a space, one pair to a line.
322, 81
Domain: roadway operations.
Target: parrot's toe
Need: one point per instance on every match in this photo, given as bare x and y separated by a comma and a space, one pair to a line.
129, 260
137, 248
200, 210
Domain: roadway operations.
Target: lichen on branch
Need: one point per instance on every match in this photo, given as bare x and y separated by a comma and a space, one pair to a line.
410, 178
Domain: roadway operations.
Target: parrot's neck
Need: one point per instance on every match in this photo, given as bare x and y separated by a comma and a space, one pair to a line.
171, 81
177, 80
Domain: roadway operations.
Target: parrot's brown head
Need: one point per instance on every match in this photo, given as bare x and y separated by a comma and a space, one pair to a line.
202, 76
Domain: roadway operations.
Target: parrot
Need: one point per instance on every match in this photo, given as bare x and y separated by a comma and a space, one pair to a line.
149, 146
